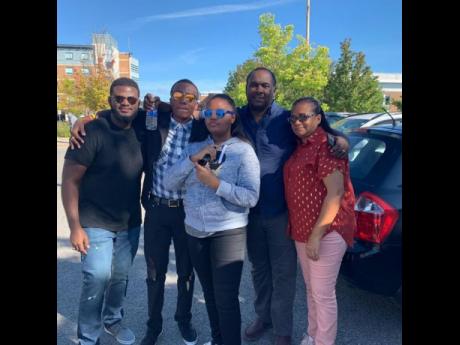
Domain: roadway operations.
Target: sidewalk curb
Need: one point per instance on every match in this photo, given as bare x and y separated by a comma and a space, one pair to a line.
62, 140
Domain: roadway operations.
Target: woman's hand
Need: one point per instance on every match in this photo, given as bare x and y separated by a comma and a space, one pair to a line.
206, 177
312, 247
210, 149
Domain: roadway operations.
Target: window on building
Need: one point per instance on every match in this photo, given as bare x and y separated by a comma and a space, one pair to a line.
69, 71
387, 100
84, 56
68, 56
85, 71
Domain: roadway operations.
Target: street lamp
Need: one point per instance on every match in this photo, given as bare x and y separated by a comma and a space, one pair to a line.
308, 22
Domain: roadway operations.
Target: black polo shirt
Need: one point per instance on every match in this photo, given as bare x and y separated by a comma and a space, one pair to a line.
110, 188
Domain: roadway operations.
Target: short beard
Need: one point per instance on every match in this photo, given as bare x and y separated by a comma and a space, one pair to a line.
258, 107
124, 119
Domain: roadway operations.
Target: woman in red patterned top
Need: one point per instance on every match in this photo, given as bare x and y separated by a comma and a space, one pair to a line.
320, 201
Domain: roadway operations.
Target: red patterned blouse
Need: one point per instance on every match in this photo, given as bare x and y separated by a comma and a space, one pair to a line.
305, 190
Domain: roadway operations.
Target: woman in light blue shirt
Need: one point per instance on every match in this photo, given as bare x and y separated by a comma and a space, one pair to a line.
221, 176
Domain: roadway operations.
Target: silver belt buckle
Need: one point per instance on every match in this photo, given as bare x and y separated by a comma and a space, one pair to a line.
171, 205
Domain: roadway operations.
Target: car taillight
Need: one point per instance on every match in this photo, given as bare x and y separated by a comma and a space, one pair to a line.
374, 218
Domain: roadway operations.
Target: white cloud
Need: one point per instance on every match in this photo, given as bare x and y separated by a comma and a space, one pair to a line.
191, 56
211, 10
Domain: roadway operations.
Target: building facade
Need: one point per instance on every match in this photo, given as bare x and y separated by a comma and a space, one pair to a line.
106, 53
72, 58
75, 58
129, 66
391, 84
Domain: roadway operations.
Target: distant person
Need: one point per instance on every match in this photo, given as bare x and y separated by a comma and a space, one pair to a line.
62, 116
320, 202
218, 195
101, 186
72, 119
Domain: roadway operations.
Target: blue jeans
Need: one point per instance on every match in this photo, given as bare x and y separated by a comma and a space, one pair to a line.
105, 279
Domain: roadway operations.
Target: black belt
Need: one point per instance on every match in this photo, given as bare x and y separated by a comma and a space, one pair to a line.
167, 202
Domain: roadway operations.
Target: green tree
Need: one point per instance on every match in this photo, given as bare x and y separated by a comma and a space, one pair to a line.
237, 81
85, 93
95, 89
67, 99
352, 87
398, 104
300, 70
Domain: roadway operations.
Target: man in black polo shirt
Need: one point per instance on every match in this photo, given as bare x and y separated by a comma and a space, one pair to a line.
101, 186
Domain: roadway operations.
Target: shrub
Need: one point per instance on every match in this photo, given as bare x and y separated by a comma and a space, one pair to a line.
63, 129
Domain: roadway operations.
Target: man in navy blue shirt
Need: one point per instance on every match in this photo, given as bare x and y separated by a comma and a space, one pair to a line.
271, 252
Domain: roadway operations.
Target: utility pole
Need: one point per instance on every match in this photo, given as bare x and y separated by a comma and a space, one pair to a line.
308, 23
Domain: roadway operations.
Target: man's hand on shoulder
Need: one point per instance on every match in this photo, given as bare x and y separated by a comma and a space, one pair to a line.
77, 131
340, 147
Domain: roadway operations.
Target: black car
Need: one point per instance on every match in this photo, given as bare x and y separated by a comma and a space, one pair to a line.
333, 117
374, 261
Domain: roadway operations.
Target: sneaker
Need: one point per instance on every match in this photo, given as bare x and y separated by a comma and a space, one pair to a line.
97, 342
121, 333
188, 333
307, 340
151, 337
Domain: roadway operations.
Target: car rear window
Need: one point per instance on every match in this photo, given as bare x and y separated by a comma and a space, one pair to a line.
332, 119
364, 154
371, 156
347, 124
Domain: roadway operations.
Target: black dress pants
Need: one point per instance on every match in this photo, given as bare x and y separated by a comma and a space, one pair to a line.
218, 262
163, 223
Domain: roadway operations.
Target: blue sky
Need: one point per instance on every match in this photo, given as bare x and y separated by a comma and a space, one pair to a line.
204, 40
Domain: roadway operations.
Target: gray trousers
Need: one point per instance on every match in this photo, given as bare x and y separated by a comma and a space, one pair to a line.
274, 266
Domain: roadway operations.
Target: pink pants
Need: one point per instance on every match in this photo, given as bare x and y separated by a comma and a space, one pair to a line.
320, 279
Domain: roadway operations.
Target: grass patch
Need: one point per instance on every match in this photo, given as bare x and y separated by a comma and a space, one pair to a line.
63, 129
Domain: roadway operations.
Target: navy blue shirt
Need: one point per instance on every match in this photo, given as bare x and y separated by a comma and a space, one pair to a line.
273, 141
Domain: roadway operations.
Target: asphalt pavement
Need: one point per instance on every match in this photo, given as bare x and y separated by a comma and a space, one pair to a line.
364, 318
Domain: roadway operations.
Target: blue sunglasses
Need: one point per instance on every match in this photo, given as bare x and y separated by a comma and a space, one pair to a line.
220, 113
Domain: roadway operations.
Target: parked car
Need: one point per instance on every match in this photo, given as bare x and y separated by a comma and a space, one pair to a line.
374, 261
333, 117
365, 120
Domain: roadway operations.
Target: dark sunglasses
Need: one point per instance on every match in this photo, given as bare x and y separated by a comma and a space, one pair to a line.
121, 99
220, 113
178, 95
301, 117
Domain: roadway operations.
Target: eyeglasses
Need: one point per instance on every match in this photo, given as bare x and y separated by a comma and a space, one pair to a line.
301, 117
220, 113
120, 99
179, 95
